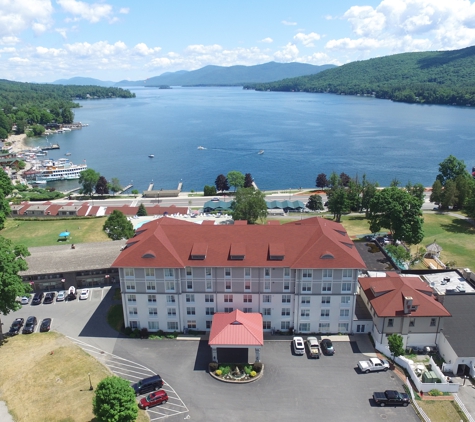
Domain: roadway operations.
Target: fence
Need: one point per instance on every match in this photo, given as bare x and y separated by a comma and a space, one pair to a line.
414, 402
463, 408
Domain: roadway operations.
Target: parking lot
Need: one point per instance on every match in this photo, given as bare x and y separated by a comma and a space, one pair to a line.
293, 387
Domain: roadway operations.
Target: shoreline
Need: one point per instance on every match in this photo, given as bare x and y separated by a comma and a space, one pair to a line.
18, 142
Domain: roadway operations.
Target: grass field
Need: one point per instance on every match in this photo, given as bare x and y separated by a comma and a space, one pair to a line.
442, 411
45, 378
46, 232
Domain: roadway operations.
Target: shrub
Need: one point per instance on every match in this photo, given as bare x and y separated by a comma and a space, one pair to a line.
154, 337
225, 369
218, 372
253, 374
213, 366
435, 392
257, 366
144, 333
135, 333
248, 369
128, 331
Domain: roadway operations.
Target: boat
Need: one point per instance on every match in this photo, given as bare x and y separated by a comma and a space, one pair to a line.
200, 147
261, 152
62, 169
151, 155
68, 154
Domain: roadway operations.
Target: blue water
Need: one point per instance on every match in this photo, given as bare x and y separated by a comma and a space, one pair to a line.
302, 135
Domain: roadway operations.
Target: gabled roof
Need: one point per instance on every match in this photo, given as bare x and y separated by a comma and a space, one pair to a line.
387, 296
236, 329
305, 245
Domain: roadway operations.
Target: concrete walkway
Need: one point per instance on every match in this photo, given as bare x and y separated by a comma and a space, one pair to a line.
4, 415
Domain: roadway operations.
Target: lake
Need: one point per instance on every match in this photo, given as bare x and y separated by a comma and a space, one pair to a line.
301, 134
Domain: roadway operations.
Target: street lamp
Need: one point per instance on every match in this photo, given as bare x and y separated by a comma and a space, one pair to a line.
90, 383
290, 193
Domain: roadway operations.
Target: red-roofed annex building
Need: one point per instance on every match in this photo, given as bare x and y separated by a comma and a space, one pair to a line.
175, 274
403, 305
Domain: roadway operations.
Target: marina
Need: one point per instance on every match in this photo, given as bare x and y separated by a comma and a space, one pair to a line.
50, 171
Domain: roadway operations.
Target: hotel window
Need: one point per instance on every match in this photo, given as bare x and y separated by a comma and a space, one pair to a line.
286, 272
228, 298
171, 312
208, 272
228, 310
247, 272
191, 325
390, 322
266, 285
189, 284
209, 311
412, 322
208, 325
433, 322
247, 310
344, 313
305, 313
327, 273
134, 324
209, 284
150, 272
172, 326
266, 298
326, 300
343, 327
170, 285
324, 327
129, 272
133, 311
326, 287
131, 298
325, 313
304, 326
130, 286
306, 286
286, 299
152, 312
152, 298
189, 273
346, 287
190, 310
266, 272
190, 298
227, 272
266, 311
227, 285
209, 298
305, 300
170, 299
169, 273
153, 325
285, 312
307, 274
151, 286
266, 325
247, 285
247, 298
286, 285
345, 300
285, 325
347, 273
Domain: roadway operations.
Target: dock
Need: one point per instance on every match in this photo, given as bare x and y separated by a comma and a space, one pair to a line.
124, 189
180, 185
49, 147
150, 187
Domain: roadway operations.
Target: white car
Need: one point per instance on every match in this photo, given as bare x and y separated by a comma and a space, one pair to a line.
84, 294
299, 347
61, 296
25, 300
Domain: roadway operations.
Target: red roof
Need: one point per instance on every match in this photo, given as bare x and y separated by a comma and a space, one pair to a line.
387, 294
236, 329
314, 243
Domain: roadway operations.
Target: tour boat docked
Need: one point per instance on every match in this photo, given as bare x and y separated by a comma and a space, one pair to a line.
62, 169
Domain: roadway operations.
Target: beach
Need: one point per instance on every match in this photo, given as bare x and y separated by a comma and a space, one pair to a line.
18, 142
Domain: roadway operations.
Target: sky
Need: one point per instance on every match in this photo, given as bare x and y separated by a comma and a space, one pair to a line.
113, 40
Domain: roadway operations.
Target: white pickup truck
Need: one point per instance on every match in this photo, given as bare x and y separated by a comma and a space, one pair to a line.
374, 364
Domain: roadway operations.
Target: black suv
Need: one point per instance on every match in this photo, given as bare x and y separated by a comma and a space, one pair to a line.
30, 325
37, 298
147, 385
49, 297
16, 326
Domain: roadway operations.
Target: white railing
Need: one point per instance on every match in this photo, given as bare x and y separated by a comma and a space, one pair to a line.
463, 408
414, 402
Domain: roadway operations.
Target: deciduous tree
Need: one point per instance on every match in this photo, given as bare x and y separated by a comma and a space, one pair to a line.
396, 345
450, 168
236, 179
249, 204
102, 187
321, 181
88, 179
221, 183
118, 227
437, 193
248, 180
315, 203
344, 180
114, 401
209, 191
114, 185
338, 202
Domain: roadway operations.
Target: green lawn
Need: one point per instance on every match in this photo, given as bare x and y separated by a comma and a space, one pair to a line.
45, 232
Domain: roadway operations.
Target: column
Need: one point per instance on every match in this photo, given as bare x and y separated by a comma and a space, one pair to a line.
214, 353
258, 354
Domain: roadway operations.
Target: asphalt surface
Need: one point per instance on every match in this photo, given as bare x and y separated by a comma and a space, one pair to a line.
293, 387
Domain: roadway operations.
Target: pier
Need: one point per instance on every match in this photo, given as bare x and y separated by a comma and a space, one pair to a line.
49, 147
150, 187
124, 189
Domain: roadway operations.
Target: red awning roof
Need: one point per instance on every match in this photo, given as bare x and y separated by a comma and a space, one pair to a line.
236, 329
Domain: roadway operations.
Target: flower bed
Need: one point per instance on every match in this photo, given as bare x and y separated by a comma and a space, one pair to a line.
236, 372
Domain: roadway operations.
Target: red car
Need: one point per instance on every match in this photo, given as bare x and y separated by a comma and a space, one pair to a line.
154, 399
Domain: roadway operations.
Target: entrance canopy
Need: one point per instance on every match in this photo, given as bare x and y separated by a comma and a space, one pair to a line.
236, 329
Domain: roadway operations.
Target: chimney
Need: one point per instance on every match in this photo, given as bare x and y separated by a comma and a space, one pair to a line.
407, 304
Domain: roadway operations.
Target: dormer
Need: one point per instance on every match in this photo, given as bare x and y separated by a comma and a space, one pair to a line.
199, 250
276, 251
237, 251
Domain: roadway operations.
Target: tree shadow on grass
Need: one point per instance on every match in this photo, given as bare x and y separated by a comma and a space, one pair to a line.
458, 225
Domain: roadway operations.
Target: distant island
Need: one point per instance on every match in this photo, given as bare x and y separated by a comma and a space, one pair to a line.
440, 77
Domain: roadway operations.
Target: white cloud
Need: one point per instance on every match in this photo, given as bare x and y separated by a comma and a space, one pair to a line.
9, 40
289, 53
142, 49
18, 60
97, 50
288, 23
90, 12
267, 40
18, 15
51, 52
124, 10
202, 49
307, 39
8, 50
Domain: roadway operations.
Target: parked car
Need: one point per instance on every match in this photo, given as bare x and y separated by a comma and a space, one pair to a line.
71, 293
327, 347
61, 296
45, 325
49, 298
154, 399
373, 365
215, 199
30, 325
299, 348
16, 326
146, 385
84, 294
37, 298
25, 300
313, 348
391, 398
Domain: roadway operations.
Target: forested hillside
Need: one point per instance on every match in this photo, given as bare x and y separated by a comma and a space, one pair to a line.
446, 77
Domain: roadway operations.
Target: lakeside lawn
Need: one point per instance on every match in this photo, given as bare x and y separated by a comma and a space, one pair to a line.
46, 232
